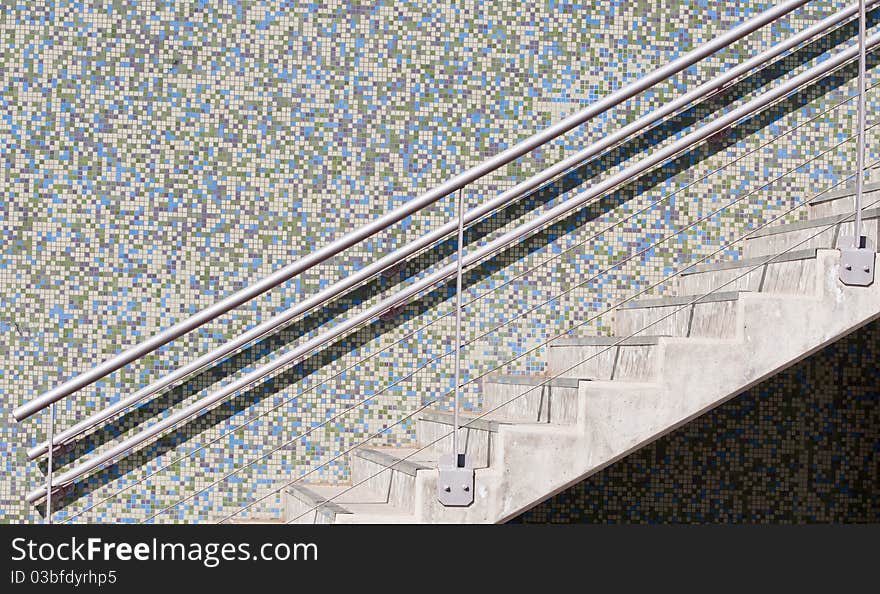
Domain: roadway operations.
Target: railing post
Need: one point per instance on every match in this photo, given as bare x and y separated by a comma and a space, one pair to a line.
860, 157
51, 456
456, 423
857, 254
455, 483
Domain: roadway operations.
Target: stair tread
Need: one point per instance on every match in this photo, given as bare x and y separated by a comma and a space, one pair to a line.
348, 500
472, 421
682, 300
646, 340
639, 384
807, 254
829, 221
535, 379
381, 513
848, 191
406, 460
314, 494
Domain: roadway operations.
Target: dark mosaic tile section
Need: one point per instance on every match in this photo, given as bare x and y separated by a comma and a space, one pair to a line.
803, 446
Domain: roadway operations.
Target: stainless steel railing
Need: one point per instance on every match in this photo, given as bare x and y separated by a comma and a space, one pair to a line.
433, 237
398, 214
487, 250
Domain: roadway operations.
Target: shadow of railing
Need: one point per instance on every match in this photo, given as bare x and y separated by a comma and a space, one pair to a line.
128, 423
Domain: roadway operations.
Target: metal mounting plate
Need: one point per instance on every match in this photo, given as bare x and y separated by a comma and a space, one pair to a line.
455, 482
856, 263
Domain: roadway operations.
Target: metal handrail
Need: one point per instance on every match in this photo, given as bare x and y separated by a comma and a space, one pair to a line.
471, 216
383, 222
449, 270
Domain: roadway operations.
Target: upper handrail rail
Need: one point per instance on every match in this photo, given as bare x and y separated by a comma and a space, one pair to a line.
383, 222
655, 158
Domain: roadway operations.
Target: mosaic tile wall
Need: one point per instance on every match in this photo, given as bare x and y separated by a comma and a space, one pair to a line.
803, 446
157, 156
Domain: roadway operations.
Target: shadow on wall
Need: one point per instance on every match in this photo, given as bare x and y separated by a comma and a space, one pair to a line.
575, 179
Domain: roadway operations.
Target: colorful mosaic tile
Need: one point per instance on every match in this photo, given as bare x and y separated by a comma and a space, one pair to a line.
157, 156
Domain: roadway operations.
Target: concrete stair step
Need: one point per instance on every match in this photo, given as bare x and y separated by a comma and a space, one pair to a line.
255, 521
477, 439
790, 273
838, 202
531, 398
307, 503
339, 504
602, 358
390, 473
711, 316
800, 235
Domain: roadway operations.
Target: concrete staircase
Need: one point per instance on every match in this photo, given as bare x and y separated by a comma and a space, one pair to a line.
628, 395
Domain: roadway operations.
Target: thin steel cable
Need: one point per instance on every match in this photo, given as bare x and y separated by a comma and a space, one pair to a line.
518, 316
768, 260
495, 289
539, 346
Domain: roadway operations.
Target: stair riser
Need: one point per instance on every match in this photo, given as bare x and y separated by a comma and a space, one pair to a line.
397, 487
839, 206
476, 444
613, 412
793, 277
623, 362
831, 208
543, 404
303, 512
715, 319
802, 239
